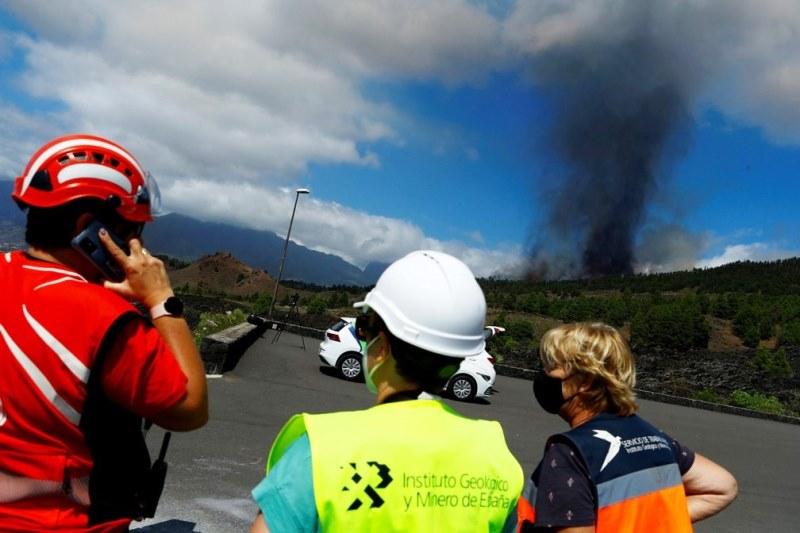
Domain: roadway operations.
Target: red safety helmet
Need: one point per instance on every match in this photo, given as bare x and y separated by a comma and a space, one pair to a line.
72, 167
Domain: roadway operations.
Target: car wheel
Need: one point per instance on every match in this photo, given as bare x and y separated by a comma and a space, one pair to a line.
462, 387
349, 366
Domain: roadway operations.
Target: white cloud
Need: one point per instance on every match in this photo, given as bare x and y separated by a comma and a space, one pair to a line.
20, 136
227, 102
239, 98
328, 227
755, 251
254, 90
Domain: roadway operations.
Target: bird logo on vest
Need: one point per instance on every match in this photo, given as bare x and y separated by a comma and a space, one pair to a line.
369, 490
614, 444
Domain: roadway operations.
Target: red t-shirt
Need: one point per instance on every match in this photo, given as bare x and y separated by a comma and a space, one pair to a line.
52, 322
141, 373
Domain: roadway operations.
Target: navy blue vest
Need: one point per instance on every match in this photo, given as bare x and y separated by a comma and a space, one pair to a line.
625, 456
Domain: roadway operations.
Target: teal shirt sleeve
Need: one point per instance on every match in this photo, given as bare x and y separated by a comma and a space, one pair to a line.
511, 522
286, 495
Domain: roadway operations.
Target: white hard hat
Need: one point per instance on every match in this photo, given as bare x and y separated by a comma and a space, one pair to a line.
432, 301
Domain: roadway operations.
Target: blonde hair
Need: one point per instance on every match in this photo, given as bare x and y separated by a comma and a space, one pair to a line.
597, 351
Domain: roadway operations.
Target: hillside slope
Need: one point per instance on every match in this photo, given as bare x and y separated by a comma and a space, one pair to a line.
222, 273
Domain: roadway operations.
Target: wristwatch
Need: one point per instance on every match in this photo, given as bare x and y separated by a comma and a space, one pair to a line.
172, 306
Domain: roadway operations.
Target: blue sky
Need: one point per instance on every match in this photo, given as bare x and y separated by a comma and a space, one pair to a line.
421, 125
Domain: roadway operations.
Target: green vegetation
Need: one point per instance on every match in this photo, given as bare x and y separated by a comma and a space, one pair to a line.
211, 323
775, 363
775, 278
677, 325
261, 303
316, 305
757, 402
687, 329
707, 395
790, 333
337, 300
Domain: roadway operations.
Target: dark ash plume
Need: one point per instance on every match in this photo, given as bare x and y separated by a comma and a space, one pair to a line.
621, 115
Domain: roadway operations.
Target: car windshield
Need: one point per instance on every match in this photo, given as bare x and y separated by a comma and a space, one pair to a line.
339, 325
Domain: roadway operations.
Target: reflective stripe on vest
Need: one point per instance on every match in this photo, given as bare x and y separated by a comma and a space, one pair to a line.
14, 488
407, 466
39, 379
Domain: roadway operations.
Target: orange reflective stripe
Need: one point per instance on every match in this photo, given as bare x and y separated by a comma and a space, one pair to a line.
525, 512
661, 511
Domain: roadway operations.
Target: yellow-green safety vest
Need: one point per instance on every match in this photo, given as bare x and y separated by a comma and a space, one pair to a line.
414, 465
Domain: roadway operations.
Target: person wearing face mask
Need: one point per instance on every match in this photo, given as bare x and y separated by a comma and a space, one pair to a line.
612, 471
410, 463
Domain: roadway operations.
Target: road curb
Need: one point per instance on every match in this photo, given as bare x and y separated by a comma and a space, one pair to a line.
525, 373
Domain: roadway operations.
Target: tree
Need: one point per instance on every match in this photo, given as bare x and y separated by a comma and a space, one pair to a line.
677, 325
316, 305
261, 305
338, 299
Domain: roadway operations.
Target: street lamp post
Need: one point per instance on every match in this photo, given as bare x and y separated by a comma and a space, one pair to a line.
285, 247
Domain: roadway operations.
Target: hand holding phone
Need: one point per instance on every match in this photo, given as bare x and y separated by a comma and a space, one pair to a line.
88, 244
145, 277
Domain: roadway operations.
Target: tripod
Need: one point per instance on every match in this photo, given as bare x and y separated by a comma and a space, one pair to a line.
293, 314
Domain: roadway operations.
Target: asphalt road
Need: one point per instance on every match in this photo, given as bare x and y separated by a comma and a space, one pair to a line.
212, 470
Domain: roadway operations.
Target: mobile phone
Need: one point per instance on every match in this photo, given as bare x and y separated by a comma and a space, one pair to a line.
88, 244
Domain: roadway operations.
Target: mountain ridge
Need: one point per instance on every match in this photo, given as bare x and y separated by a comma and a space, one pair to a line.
188, 238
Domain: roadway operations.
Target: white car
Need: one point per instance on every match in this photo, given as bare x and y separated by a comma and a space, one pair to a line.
474, 379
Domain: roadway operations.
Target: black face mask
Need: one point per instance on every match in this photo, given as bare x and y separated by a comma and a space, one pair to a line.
548, 392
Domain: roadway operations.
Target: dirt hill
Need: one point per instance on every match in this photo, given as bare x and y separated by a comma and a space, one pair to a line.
222, 273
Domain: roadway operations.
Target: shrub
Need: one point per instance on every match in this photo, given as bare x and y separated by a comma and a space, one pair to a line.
316, 306
790, 333
338, 300
707, 395
775, 363
757, 402
534, 302
521, 331
724, 306
211, 323
746, 322
617, 312
677, 325
751, 336
261, 305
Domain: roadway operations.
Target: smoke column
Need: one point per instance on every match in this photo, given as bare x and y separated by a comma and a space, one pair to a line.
621, 116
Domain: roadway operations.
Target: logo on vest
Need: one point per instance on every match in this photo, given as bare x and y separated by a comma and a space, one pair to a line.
359, 483
613, 445
3, 417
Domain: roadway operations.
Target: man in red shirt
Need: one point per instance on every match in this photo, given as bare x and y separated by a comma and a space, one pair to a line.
81, 366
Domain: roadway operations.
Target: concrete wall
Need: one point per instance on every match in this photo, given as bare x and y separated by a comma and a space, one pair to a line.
221, 351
